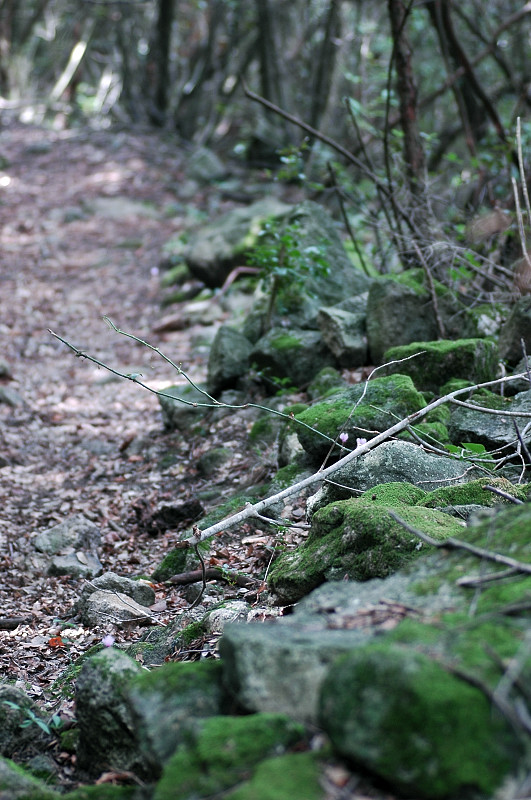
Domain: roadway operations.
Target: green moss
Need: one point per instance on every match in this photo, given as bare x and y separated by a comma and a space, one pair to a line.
327, 382
295, 776
180, 677
17, 782
434, 433
285, 342
473, 493
64, 685
357, 538
286, 476
393, 494
173, 563
69, 739
431, 734
453, 385
439, 361
221, 752
385, 400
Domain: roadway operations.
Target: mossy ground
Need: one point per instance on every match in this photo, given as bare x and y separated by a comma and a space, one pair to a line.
474, 493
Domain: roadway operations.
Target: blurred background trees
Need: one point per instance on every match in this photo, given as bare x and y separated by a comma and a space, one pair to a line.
423, 95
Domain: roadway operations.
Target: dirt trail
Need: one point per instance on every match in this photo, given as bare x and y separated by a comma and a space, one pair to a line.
83, 217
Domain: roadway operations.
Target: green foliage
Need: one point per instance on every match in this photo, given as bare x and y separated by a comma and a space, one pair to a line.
31, 718
284, 265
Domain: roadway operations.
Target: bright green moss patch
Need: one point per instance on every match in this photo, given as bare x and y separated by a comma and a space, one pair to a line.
393, 494
290, 777
384, 402
180, 677
409, 720
360, 539
439, 361
474, 493
221, 751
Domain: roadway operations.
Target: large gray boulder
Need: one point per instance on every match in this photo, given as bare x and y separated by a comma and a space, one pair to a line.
70, 548
215, 249
394, 461
436, 363
360, 411
345, 334
357, 540
290, 353
297, 302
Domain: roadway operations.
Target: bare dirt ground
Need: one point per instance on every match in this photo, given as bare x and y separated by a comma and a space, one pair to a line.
83, 219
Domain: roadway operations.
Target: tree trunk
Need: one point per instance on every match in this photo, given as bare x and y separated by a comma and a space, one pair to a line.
407, 95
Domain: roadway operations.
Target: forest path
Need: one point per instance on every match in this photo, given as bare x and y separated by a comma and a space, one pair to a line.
83, 218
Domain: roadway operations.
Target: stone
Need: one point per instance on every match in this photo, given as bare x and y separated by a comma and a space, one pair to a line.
356, 540
205, 166
231, 611
220, 752
390, 462
491, 430
290, 353
516, 328
360, 411
413, 723
140, 591
17, 784
228, 360
15, 707
183, 406
215, 249
475, 360
400, 311
102, 607
337, 281
76, 532
10, 397
345, 335
279, 667
140, 717
78, 565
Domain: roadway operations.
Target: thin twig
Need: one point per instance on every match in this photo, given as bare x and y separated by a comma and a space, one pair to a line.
457, 544
506, 495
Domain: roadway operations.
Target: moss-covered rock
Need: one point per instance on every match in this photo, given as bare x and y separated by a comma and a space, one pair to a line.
358, 539
220, 751
474, 493
17, 784
439, 361
290, 354
400, 310
360, 411
294, 775
140, 716
415, 724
